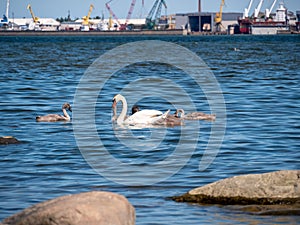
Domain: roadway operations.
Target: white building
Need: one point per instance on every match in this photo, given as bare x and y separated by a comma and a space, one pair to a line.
44, 24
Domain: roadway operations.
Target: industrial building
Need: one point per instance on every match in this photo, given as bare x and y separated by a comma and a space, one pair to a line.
207, 21
194, 22
204, 21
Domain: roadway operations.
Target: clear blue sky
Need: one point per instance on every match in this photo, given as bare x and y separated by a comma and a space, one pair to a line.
79, 8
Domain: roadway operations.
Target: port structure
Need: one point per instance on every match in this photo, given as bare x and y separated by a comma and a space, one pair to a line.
268, 11
85, 25
86, 19
36, 23
4, 21
121, 26
247, 10
257, 10
218, 17
34, 18
153, 17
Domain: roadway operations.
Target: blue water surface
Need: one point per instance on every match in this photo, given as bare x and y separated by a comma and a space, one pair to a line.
260, 83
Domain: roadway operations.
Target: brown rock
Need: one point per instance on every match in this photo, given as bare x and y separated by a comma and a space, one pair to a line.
280, 184
278, 192
91, 208
274, 210
8, 140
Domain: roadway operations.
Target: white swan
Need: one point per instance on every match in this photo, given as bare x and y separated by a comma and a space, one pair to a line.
147, 116
56, 117
194, 115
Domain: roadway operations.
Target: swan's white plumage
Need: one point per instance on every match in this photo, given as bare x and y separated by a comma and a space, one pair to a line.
147, 116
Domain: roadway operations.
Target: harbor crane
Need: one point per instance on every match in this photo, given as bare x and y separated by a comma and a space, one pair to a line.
34, 18
130, 11
85, 25
246, 11
4, 21
121, 26
86, 19
257, 10
151, 21
268, 11
112, 13
218, 17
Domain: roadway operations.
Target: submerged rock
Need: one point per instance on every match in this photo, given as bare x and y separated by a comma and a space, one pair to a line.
273, 210
275, 188
93, 208
8, 140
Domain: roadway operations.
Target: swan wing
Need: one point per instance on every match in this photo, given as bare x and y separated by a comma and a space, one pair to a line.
161, 119
143, 117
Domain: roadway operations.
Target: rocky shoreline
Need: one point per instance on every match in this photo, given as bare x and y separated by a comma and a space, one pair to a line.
275, 193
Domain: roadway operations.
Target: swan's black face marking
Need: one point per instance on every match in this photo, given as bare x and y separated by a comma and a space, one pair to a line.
114, 103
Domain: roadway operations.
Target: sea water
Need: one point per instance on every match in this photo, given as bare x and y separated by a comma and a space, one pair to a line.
258, 76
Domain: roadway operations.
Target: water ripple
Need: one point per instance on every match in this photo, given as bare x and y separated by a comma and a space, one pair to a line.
260, 84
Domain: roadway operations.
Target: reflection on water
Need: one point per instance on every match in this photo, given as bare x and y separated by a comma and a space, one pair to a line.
260, 84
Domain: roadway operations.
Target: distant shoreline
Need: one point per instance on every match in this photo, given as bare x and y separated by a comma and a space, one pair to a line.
103, 33
7, 33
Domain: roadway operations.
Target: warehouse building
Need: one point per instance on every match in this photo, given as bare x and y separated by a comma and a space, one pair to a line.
204, 21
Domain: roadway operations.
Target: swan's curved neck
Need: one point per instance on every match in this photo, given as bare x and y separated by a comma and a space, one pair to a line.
66, 115
181, 112
123, 113
114, 116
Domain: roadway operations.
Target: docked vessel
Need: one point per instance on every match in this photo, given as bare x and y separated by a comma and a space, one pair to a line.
266, 23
